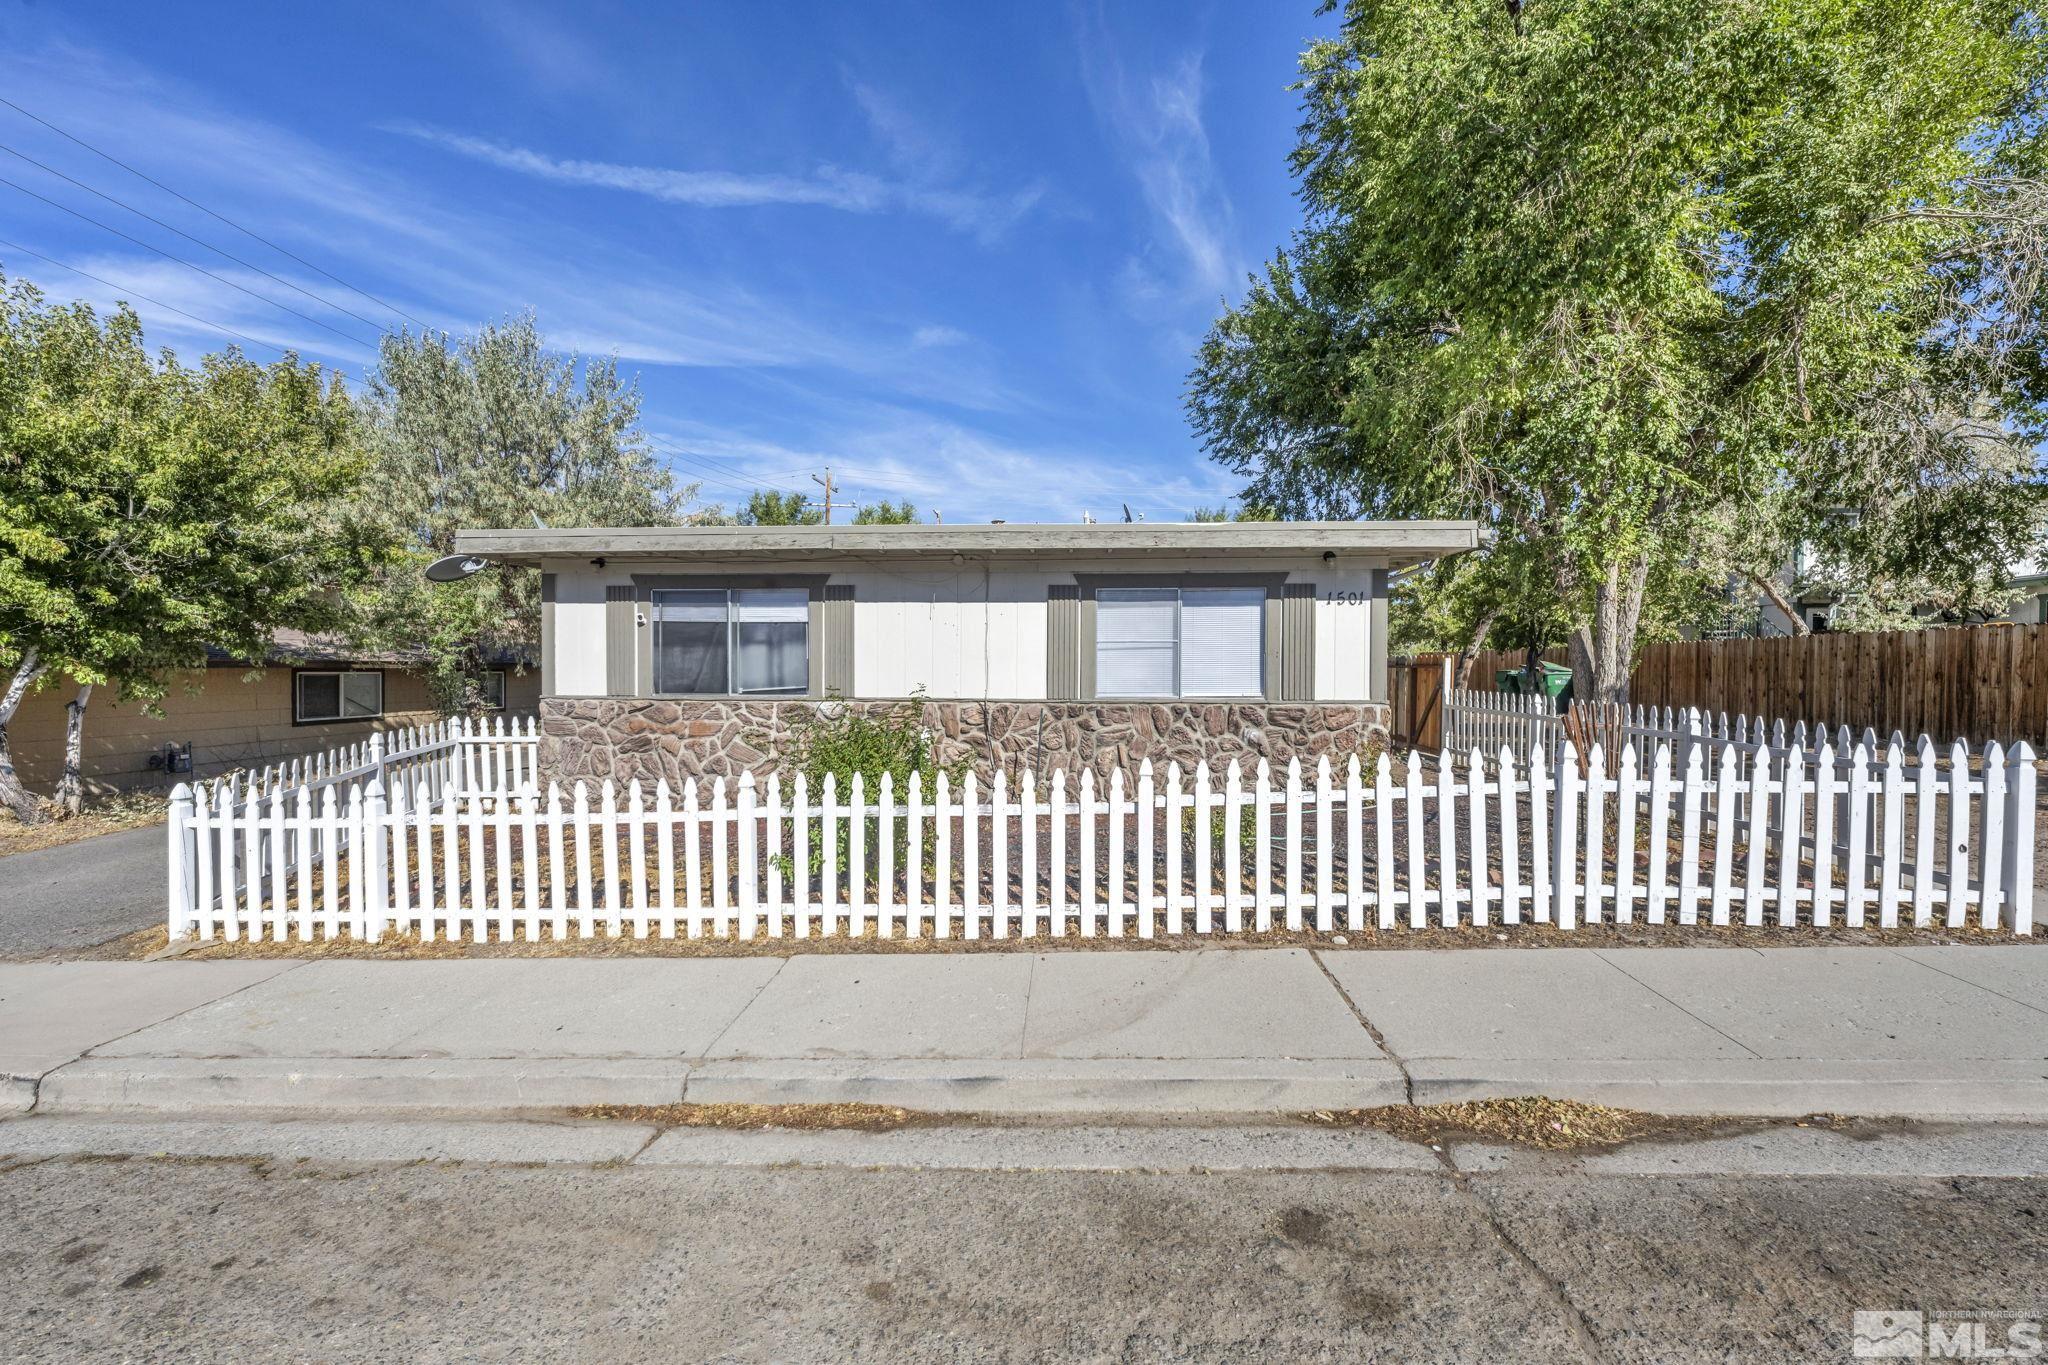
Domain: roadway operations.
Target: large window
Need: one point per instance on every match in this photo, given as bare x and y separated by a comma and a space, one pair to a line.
337, 695
726, 641
1180, 642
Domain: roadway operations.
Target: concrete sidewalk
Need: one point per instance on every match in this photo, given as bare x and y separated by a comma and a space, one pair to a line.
1951, 1032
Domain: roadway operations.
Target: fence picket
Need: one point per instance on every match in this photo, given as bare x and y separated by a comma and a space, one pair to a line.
1027, 875
970, 857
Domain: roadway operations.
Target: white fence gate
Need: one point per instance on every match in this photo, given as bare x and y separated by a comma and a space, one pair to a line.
1792, 840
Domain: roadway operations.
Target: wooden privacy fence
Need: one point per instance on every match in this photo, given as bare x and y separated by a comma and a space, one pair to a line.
1788, 840
1969, 682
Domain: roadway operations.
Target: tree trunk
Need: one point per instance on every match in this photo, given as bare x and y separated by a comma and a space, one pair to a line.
13, 795
1470, 654
71, 787
1769, 588
1603, 649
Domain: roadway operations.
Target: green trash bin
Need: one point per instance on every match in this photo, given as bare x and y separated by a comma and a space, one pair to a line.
1553, 680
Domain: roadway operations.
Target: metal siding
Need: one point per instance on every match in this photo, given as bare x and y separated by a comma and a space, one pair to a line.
1062, 641
835, 638
1298, 642
620, 628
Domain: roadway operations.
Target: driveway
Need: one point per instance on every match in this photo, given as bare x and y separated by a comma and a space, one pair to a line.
54, 900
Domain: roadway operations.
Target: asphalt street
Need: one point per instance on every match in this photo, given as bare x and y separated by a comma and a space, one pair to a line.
215, 1258
74, 896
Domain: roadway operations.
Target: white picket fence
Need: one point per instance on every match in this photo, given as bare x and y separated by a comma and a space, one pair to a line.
291, 815
1757, 838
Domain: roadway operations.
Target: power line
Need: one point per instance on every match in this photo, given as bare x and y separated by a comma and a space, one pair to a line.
126, 237
169, 227
254, 236
204, 322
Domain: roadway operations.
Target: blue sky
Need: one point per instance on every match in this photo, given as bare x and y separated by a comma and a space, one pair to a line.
960, 253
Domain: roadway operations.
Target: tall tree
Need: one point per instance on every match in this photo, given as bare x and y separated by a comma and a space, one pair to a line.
149, 510
766, 507
493, 429
1599, 271
886, 513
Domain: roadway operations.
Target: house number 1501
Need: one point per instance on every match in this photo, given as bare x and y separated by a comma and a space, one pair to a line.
1349, 599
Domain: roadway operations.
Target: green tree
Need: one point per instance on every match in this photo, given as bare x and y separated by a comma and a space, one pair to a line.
886, 513
1603, 272
766, 507
149, 510
492, 430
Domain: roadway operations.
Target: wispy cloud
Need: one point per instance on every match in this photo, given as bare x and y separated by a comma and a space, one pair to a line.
968, 473
1155, 120
825, 187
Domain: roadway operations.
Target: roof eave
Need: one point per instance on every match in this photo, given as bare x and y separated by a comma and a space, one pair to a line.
1395, 543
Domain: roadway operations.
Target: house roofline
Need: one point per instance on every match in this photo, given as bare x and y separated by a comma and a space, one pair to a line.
1396, 543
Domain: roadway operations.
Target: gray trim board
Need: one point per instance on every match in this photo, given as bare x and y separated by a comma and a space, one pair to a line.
832, 618
818, 660
1376, 680
1063, 642
548, 590
621, 638
1297, 641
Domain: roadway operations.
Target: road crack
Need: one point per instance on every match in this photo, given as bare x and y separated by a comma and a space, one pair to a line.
1552, 1288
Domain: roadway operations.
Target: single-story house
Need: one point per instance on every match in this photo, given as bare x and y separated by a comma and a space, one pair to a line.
689, 650
305, 695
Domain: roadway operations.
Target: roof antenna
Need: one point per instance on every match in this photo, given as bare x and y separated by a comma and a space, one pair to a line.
937, 518
1087, 519
1127, 514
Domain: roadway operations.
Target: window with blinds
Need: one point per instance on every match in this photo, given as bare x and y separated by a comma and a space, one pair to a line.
1180, 642
731, 641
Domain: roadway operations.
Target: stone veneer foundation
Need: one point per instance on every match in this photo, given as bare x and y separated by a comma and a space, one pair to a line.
626, 737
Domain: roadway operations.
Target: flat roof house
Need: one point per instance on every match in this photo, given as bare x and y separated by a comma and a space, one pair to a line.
677, 651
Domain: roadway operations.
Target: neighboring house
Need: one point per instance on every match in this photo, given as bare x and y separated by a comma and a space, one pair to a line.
1803, 584
305, 696
691, 650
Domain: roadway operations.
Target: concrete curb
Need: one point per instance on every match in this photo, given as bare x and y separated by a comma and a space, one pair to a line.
409, 1084
1225, 1088
1961, 1089
1055, 1085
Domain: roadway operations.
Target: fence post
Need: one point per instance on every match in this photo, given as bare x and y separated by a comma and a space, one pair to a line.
180, 886
2020, 816
372, 833
377, 759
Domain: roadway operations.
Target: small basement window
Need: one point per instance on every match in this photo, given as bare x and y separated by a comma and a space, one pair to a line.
1180, 642
731, 641
337, 695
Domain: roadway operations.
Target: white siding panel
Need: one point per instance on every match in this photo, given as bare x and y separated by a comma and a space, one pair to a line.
1343, 611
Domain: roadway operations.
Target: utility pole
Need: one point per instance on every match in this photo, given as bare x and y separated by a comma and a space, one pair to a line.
827, 482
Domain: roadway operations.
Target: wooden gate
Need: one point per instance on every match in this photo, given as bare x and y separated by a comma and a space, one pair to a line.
1415, 687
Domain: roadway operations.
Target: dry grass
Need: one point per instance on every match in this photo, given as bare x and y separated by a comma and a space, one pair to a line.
1536, 1121
409, 946
110, 815
859, 1118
